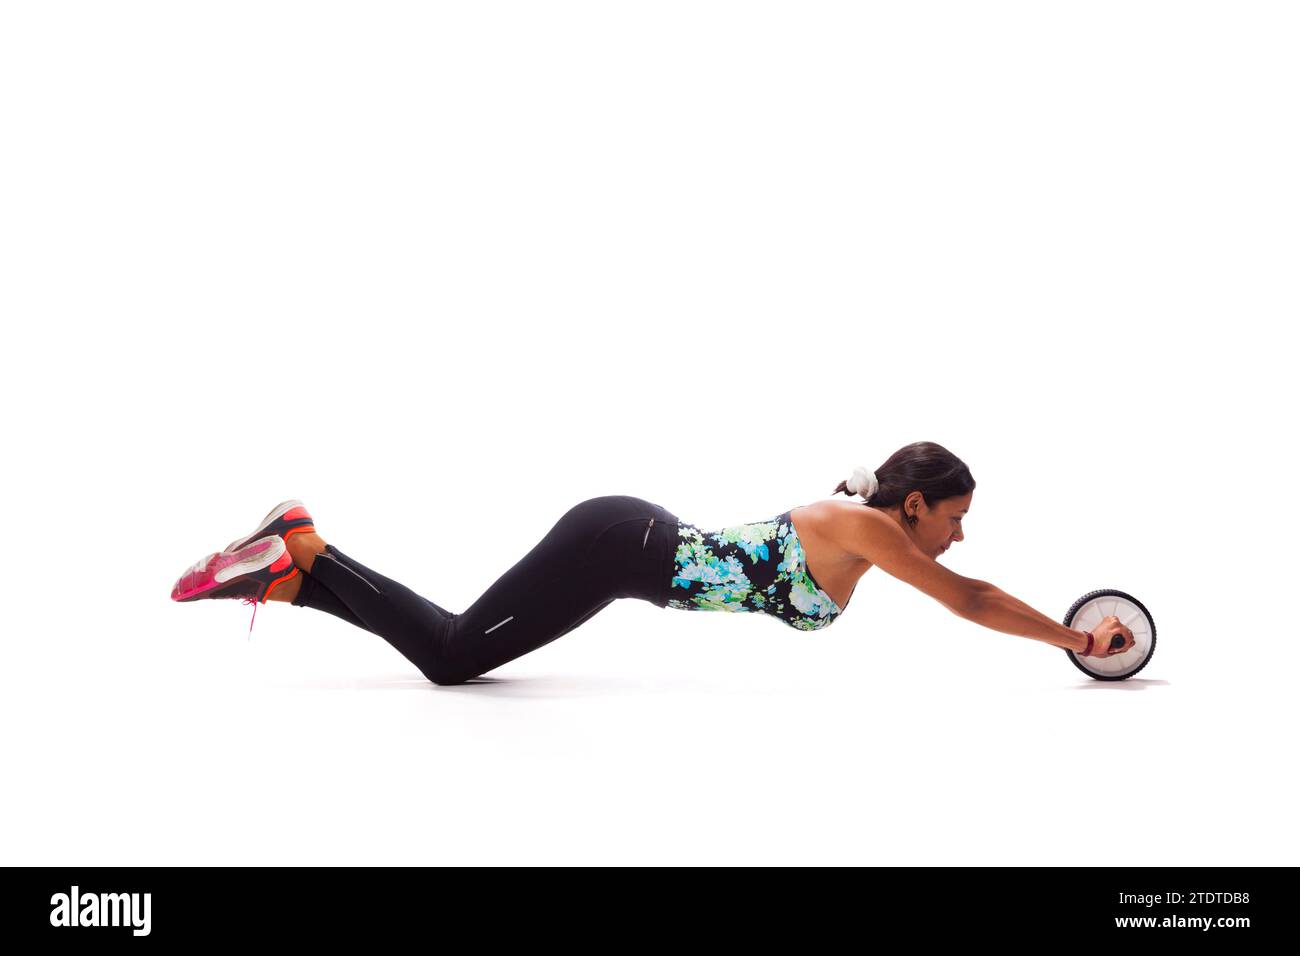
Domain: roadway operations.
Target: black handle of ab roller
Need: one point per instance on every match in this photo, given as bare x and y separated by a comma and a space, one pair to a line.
1117, 642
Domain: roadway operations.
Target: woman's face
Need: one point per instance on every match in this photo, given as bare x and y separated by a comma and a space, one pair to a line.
937, 528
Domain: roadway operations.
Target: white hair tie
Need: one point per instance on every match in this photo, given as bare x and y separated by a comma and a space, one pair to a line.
863, 482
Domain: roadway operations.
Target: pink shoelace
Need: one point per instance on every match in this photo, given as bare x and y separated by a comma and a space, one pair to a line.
252, 601
255, 602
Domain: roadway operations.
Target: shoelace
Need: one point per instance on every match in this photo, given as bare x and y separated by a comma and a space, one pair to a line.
201, 565
252, 601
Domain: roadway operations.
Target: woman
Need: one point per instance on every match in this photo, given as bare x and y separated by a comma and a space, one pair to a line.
801, 567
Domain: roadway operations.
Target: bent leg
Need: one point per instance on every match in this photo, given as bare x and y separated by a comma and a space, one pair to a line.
538, 600
412, 624
312, 593
598, 551
526, 608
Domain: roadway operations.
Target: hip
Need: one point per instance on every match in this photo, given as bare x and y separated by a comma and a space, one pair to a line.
632, 541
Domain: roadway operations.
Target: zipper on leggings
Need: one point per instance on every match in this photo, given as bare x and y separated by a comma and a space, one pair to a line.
647, 533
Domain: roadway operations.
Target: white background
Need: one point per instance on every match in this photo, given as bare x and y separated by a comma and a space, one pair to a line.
442, 271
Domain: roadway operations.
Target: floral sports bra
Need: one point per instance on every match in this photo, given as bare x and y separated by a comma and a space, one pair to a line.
758, 566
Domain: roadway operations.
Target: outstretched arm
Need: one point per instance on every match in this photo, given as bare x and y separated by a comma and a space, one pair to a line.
885, 544
996, 609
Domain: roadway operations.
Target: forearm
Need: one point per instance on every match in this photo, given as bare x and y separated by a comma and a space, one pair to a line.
996, 609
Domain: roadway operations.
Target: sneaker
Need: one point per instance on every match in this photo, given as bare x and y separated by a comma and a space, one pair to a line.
285, 519
251, 573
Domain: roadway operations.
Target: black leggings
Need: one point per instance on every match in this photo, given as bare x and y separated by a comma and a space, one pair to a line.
614, 546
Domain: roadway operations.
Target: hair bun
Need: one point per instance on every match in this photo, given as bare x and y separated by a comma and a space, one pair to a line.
863, 482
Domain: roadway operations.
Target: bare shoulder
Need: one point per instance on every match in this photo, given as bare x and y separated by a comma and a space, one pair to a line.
880, 540
847, 524
833, 522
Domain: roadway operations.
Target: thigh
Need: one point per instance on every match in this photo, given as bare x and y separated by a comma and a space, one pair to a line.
597, 545
559, 584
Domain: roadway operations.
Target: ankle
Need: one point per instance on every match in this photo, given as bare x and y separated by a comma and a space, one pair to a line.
288, 590
304, 547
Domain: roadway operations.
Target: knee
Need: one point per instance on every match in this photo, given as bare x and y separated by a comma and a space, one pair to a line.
445, 681
446, 674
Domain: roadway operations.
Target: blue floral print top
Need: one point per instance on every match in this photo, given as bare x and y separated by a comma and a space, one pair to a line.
759, 566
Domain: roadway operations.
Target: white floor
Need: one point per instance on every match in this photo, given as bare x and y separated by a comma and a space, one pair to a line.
647, 736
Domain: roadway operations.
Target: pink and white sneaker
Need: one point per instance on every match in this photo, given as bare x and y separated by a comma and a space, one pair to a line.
285, 519
251, 573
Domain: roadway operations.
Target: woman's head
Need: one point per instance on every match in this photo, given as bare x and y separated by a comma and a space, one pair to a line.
927, 489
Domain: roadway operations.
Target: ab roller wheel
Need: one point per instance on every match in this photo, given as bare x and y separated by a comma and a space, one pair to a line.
1086, 615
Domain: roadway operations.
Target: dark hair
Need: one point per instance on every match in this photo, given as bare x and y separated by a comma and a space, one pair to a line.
922, 466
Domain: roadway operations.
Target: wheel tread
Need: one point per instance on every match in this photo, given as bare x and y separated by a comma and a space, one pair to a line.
1110, 592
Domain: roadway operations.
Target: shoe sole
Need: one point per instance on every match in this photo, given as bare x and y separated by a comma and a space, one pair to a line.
278, 512
259, 556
